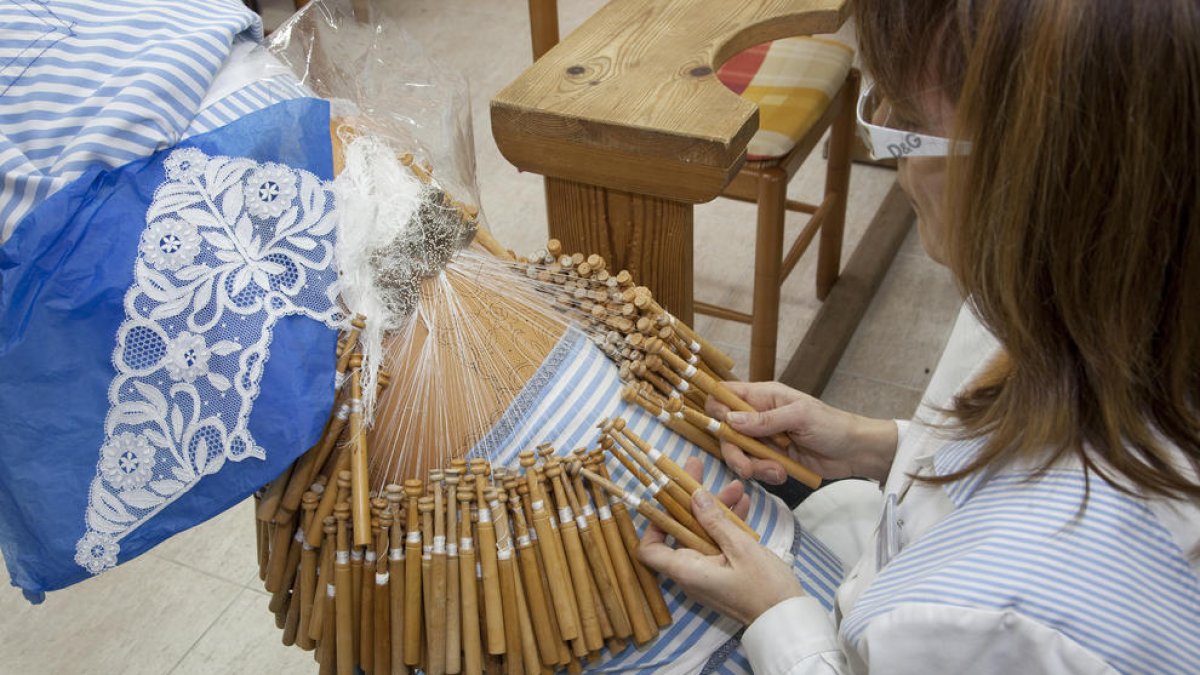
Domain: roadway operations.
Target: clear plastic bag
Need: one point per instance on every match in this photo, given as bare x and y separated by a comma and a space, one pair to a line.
380, 81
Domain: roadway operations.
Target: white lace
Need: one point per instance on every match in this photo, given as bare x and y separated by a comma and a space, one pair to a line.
230, 246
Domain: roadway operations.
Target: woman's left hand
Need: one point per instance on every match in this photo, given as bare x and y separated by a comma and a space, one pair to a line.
744, 581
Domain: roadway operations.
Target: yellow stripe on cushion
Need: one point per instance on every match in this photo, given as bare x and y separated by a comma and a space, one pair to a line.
786, 114
793, 86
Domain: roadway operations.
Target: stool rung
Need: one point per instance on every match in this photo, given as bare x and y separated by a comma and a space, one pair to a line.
721, 312
806, 236
802, 207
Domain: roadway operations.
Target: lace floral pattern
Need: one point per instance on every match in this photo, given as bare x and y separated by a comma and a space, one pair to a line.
230, 246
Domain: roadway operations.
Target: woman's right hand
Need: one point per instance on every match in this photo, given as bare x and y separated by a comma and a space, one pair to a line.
832, 442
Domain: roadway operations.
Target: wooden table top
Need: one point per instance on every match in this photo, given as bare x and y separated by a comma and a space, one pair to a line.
630, 100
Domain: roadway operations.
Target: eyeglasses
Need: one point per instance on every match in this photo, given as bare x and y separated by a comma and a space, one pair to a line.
885, 142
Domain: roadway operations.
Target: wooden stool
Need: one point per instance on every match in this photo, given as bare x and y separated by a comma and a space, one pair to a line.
802, 86
631, 127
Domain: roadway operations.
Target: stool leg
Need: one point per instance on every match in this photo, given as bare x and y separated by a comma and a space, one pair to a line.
768, 260
837, 185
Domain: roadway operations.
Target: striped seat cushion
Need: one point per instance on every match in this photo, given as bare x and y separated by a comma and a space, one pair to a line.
792, 81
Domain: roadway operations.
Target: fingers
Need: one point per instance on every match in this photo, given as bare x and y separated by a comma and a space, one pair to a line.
728, 537
764, 395
749, 467
766, 422
695, 468
731, 494
742, 508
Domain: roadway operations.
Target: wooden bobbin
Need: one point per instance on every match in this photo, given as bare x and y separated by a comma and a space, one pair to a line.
659, 488
453, 580
359, 481
324, 622
751, 446
413, 619
492, 597
308, 576
646, 454
661, 520
396, 577
641, 619
381, 658
539, 609
435, 648
629, 538
697, 437
469, 600
344, 605
593, 637
601, 568
710, 386
436, 605
506, 575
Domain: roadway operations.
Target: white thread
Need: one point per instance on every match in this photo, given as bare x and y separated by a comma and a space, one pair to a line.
356, 406
713, 425
439, 544
581, 522
330, 590
565, 514
370, 556
452, 550
655, 454
396, 553
689, 371
343, 412
604, 512
693, 359
503, 553
533, 535
356, 555
466, 544
523, 541
674, 393
682, 386
664, 416
413, 537
342, 558
307, 547
478, 569
632, 501
381, 578
538, 505
485, 516
339, 379
553, 522
299, 536
694, 346
587, 510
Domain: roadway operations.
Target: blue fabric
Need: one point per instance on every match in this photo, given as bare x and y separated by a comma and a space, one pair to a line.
64, 276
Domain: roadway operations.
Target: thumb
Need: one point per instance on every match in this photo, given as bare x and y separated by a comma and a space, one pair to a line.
761, 423
728, 536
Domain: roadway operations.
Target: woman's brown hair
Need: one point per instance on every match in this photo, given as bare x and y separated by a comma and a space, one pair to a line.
1072, 222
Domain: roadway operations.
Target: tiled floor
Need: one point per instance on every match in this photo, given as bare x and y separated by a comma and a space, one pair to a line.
195, 605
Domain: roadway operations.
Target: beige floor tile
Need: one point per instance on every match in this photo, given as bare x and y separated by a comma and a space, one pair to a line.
244, 640
905, 329
223, 547
141, 617
869, 397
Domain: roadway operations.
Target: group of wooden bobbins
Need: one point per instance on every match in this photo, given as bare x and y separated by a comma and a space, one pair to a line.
481, 569
619, 313
670, 370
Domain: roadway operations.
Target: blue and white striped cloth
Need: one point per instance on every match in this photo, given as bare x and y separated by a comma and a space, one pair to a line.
1109, 576
577, 386
98, 83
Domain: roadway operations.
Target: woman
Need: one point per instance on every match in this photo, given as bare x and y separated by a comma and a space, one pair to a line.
1047, 518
